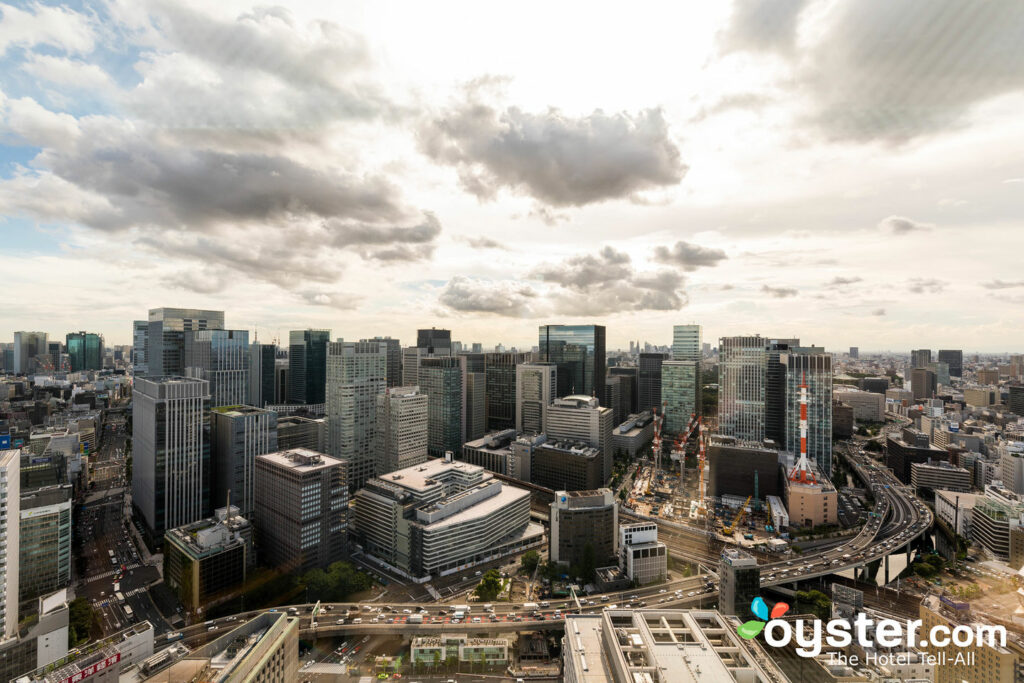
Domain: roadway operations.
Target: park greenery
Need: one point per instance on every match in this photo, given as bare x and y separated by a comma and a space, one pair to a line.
490, 586
80, 621
340, 580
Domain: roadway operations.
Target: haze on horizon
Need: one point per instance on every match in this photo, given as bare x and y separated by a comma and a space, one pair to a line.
845, 171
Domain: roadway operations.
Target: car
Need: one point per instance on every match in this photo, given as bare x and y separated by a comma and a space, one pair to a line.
663, 591
690, 594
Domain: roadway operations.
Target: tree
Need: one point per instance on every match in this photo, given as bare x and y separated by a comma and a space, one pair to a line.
490, 586
80, 618
529, 561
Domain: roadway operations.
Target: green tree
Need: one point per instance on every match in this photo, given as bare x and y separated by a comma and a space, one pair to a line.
490, 586
80, 618
529, 561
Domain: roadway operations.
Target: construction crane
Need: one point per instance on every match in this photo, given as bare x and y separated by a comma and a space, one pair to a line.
727, 530
702, 440
656, 447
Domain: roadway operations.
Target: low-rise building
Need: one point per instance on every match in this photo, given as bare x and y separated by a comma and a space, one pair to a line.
991, 521
495, 453
207, 560
642, 557
634, 435
981, 661
100, 661
926, 477
438, 650
812, 503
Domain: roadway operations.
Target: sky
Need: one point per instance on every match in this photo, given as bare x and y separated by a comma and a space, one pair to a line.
843, 171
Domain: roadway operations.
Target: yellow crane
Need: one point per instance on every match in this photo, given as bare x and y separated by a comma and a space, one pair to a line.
727, 530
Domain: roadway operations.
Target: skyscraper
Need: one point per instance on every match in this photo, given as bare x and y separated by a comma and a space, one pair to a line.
140, 346
686, 342
262, 363
10, 518
500, 369
474, 405
955, 359
221, 357
628, 388
441, 380
28, 345
401, 429
85, 351
394, 353
356, 374
775, 390
649, 380
237, 435
923, 383
535, 390
579, 352
307, 366
436, 342
681, 393
813, 366
165, 350
581, 418
170, 452
742, 370
920, 358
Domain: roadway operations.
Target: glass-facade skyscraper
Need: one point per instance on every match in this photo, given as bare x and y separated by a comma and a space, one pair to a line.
356, 374
165, 339
221, 357
500, 371
85, 351
742, 370
649, 381
686, 342
307, 366
441, 381
813, 365
579, 352
680, 391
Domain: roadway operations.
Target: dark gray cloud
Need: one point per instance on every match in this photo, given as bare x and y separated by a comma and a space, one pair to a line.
901, 225
778, 292
557, 159
839, 281
688, 256
920, 285
345, 234
762, 26
1002, 284
584, 271
484, 296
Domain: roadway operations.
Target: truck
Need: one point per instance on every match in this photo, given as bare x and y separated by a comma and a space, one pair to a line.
458, 615
462, 608
530, 607
129, 612
414, 619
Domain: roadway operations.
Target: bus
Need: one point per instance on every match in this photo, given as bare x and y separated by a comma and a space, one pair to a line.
120, 598
128, 611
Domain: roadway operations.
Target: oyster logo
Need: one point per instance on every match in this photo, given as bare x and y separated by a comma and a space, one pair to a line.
751, 628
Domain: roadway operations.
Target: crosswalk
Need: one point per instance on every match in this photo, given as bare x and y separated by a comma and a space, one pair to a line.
99, 602
108, 574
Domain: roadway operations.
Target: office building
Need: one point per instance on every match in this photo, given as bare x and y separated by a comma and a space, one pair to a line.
642, 557
165, 339
441, 379
434, 341
742, 367
262, 366
987, 376
44, 547
307, 366
686, 343
581, 418
941, 371
982, 663
649, 380
85, 351
401, 429
297, 431
920, 358
54, 354
206, 561
571, 465
474, 407
926, 477
955, 509
812, 502
170, 452
584, 528
99, 661
442, 517
221, 357
981, 397
535, 390
868, 406
909, 447
661, 645
140, 345
394, 359
281, 380
579, 352
301, 509
628, 377
854, 352
842, 419
876, 385
633, 436
811, 367
10, 540
356, 375
1015, 399
613, 398
496, 453
923, 383
740, 583
237, 435
681, 395
742, 470
27, 346
501, 370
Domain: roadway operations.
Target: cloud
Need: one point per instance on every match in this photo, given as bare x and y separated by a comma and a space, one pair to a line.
778, 292
341, 302
900, 225
547, 216
200, 281
508, 298
878, 312
1002, 284
839, 281
920, 285
688, 256
39, 24
556, 159
749, 101
762, 26
484, 243
584, 271
69, 73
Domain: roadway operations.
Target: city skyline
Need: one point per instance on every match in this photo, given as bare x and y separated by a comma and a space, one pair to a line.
347, 167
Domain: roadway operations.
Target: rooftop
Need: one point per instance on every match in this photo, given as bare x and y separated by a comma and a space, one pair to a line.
428, 474
300, 459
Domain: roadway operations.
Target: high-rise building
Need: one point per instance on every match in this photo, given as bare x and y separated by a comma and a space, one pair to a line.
941, 371
441, 379
923, 383
356, 375
812, 366
920, 358
535, 390
262, 363
1015, 400
28, 345
401, 429
54, 351
775, 390
581, 418
584, 528
649, 380
170, 452
237, 435
394, 363
680, 393
44, 546
85, 351
579, 352
474, 407
140, 346
742, 369
854, 352
686, 343
301, 509
569, 465
954, 358
281, 369
221, 357
500, 369
296, 431
740, 582
165, 350
307, 366
434, 341
628, 388
10, 540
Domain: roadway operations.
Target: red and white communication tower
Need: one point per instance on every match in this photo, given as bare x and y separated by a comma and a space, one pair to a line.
802, 470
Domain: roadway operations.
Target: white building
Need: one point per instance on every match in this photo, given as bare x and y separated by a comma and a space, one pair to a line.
581, 418
868, 406
401, 429
356, 373
954, 508
10, 500
642, 557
